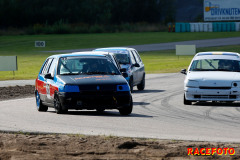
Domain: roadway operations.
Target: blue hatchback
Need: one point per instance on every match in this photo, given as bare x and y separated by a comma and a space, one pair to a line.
130, 60
82, 81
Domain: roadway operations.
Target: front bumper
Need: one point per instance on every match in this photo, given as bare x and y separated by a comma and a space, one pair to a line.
197, 94
95, 100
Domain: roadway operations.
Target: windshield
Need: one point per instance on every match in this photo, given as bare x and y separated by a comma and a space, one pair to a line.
215, 65
82, 65
122, 58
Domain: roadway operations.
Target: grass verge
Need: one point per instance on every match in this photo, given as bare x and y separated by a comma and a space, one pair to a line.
155, 62
30, 59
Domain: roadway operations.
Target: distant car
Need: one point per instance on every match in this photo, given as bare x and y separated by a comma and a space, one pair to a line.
82, 81
212, 76
109, 55
130, 60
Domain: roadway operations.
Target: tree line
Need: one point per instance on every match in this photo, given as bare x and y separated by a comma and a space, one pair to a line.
25, 13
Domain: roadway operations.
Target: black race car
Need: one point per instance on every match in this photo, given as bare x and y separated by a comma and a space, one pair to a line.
82, 81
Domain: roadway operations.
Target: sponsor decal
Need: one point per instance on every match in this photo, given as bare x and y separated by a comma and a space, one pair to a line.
211, 151
98, 78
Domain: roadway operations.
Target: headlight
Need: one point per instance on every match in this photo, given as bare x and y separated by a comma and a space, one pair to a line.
236, 84
192, 84
123, 87
69, 88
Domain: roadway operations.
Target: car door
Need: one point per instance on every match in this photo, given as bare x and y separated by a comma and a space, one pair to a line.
140, 69
42, 83
50, 82
134, 68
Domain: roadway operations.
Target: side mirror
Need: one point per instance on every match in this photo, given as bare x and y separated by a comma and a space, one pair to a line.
48, 76
136, 65
123, 70
184, 71
124, 74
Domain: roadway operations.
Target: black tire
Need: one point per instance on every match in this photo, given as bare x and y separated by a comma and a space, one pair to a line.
40, 106
131, 84
100, 110
126, 110
186, 102
58, 106
141, 86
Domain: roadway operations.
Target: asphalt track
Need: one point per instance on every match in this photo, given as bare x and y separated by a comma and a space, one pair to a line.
158, 113
171, 45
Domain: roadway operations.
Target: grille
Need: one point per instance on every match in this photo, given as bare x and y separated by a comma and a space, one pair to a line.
94, 88
215, 96
201, 87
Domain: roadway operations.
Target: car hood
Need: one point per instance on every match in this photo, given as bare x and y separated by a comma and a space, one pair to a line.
92, 79
215, 78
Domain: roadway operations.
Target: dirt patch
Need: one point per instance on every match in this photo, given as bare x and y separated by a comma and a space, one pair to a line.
27, 146
16, 92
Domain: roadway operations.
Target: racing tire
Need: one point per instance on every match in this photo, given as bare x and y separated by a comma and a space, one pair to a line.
131, 84
100, 110
141, 86
40, 106
127, 110
186, 102
58, 106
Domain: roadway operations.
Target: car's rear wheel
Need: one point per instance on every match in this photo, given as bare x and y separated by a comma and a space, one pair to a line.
186, 102
58, 106
126, 110
40, 106
141, 86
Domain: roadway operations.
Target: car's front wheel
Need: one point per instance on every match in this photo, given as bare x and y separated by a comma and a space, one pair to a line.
58, 106
126, 110
40, 106
141, 86
131, 84
186, 102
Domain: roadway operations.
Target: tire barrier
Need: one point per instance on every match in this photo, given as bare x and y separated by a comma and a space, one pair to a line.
206, 27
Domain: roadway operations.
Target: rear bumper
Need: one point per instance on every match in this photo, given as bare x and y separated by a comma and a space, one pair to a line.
91, 101
196, 94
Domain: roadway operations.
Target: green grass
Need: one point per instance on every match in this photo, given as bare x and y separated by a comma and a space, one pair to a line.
30, 59
168, 62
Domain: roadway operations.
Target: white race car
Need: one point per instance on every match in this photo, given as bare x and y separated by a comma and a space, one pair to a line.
212, 76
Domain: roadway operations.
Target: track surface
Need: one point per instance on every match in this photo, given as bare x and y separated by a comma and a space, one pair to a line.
172, 45
158, 113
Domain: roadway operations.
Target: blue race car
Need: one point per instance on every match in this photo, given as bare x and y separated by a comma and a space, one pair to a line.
129, 60
82, 81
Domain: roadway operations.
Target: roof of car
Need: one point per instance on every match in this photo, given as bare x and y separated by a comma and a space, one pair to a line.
217, 55
113, 48
75, 54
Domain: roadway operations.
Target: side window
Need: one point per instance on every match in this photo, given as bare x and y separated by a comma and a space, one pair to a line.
46, 66
132, 58
136, 56
52, 67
